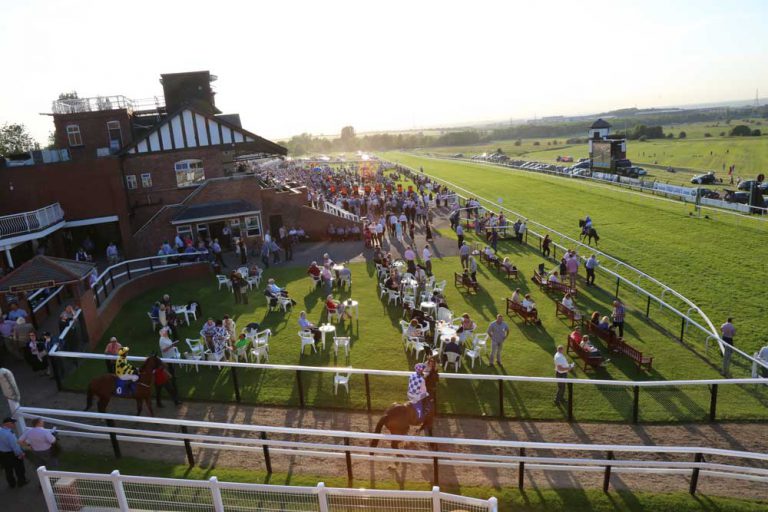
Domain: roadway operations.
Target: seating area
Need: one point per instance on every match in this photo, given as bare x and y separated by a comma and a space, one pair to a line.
618, 345
571, 314
461, 280
591, 360
545, 284
529, 317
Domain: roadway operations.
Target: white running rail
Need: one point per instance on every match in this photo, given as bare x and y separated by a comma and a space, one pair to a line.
64, 490
339, 212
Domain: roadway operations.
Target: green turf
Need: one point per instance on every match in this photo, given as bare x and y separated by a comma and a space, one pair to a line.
376, 343
510, 499
714, 262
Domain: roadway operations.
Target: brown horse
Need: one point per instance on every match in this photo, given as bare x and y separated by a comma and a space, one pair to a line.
399, 418
104, 387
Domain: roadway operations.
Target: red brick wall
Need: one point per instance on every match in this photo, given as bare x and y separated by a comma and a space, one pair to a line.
93, 130
98, 320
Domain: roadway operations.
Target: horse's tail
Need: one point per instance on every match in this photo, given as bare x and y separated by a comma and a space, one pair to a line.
379, 426
89, 397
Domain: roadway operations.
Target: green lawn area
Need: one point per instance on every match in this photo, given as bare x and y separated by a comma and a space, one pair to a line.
376, 344
510, 499
712, 262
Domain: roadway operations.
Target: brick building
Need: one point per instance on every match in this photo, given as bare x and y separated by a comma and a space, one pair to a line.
138, 172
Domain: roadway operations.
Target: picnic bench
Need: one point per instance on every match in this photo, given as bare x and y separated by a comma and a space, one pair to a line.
544, 284
561, 309
591, 359
509, 271
529, 317
618, 345
458, 280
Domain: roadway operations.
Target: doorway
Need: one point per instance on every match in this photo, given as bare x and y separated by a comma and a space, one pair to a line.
275, 222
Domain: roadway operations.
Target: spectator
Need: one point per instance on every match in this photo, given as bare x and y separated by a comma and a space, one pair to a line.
81, 255
594, 319
591, 264
762, 355
572, 265
472, 267
562, 367
306, 325
164, 380
218, 254
464, 251
11, 455
516, 297
410, 259
545, 245
452, 346
39, 440
728, 332
568, 303
426, 257
112, 255
508, 266
209, 327
16, 312
618, 317
498, 332
113, 347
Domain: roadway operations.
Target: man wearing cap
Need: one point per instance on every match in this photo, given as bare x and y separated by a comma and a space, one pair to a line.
11, 455
417, 390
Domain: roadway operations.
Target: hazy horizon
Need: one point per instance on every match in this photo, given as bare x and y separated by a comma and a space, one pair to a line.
296, 67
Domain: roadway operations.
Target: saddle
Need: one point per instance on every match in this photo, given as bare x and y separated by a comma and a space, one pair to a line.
124, 388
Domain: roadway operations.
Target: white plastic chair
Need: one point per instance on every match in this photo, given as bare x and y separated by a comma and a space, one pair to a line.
224, 280
440, 287
418, 348
307, 340
454, 359
192, 310
444, 314
338, 342
393, 296
463, 335
260, 338
473, 354
259, 352
285, 303
341, 379
345, 279
480, 341
382, 290
333, 314
197, 347
243, 271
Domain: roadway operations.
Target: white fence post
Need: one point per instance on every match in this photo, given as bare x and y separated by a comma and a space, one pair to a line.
322, 497
436, 506
493, 504
218, 503
117, 483
45, 485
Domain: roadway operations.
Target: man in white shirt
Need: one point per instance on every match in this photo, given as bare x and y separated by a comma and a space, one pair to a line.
763, 356
410, 259
562, 367
40, 440
460, 233
464, 255
426, 256
392, 224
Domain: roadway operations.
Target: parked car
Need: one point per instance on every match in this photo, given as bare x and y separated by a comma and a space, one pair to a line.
704, 179
733, 196
709, 194
747, 185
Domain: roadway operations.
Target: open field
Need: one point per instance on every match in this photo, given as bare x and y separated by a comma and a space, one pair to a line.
694, 256
689, 156
510, 499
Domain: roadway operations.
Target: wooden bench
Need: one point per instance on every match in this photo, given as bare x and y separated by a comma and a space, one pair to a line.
607, 335
561, 309
509, 271
529, 317
492, 261
590, 359
624, 348
544, 284
458, 280
539, 279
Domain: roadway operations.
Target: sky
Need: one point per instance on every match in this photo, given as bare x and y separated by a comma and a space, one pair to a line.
290, 67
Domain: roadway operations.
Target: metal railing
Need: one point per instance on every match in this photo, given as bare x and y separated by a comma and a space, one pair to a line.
438, 451
339, 212
99, 103
620, 273
122, 272
29, 222
632, 392
124, 493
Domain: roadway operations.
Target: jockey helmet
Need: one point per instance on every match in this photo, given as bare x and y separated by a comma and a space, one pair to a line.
420, 367
123, 351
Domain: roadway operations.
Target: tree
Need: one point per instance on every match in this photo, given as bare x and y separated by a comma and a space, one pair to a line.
14, 138
347, 133
722, 134
707, 135
756, 132
71, 95
536, 143
741, 130
682, 135
518, 142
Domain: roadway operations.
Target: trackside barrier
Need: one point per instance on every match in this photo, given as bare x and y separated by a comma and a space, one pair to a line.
124, 271
344, 446
115, 492
710, 385
709, 329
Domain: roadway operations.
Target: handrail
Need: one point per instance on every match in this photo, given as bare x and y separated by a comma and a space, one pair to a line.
401, 373
29, 222
47, 299
712, 330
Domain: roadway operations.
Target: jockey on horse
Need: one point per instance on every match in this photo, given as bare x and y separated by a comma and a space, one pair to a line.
417, 391
126, 373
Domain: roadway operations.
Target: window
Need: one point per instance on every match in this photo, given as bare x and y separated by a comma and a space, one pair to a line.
202, 231
130, 181
184, 231
189, 173
253, 225
234, 227
146, 180
115, 135
73, 135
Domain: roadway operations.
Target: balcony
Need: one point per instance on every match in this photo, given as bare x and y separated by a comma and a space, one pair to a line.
99, 103
19, 224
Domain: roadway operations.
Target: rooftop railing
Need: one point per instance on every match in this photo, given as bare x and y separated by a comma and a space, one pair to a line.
29, 222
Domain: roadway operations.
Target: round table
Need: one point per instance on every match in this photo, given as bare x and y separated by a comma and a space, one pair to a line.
351, 304
428, 305
444, 330
324, 329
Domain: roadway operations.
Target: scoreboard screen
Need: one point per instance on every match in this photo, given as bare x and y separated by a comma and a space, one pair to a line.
601, 154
